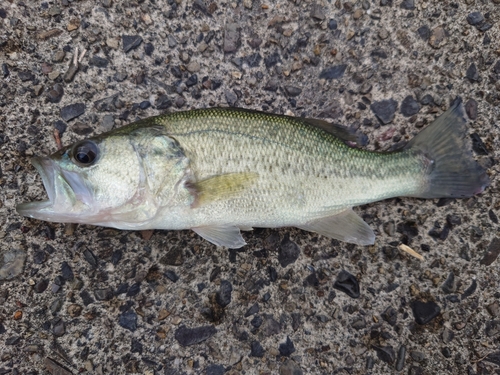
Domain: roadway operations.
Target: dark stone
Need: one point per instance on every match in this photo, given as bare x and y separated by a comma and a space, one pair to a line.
148, 49
26, 75
311, 280
358, 323
72, 111
424, 32
39, 257
41, 286
478, 145
171, 275
317, 12
493, 217
105, 294
116, 257
273, 274
408, 4
253, 60
144, 104
134, 290
256, 349
120, 76
471, 109
470, 290
128, 320
60, 126
385, 353
475, 18
2, 329
108, 104
256, 321
288, 252
347, 283
67, 272
484, 26
449, 286
174, 257
58, 328
130, 42
446, 352
293, 91
270, 326
271, 85
86, 298
223, 295
427, 100
98, 61
385, 110
12, 340
163, 102
379, 53
409, 106
332, 24
136, 346
191, 336
231, 37
472, 74
215, 370
492, 328
192, 80
272, 60
254, 309
424, 312
390, 315
496, 68
231, 97
55, 94
493, 358
448, 335
333, 72
90, 257
286, 348
400, 362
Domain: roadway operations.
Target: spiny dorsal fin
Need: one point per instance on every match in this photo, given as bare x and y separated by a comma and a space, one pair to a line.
222, 187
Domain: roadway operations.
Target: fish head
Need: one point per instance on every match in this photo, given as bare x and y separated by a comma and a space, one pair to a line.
88, 182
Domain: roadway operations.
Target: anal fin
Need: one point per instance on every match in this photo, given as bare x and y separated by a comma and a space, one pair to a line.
346, 226
228, 236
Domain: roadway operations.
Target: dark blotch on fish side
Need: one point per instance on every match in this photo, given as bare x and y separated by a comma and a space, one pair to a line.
333, 72
72, 111
130, 42
288, 252
385, 110
347, 283
191, 336
424, 312
128, 320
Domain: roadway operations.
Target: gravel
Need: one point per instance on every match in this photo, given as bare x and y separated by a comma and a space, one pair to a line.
85, 299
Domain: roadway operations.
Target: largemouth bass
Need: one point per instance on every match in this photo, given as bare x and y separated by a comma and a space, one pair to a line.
218, 171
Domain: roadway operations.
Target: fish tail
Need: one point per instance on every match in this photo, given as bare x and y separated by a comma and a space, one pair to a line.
452, 171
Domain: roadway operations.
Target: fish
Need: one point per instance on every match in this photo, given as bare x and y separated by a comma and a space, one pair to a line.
220, 171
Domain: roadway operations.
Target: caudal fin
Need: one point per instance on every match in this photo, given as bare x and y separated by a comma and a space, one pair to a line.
453, 171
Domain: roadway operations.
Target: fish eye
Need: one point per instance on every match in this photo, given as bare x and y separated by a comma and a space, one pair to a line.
85, 153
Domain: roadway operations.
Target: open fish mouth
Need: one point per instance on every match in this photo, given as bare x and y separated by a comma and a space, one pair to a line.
46, 169
67, 194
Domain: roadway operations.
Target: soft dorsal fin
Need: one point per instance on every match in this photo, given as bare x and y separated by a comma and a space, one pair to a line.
221, 187
341, 132
346, 226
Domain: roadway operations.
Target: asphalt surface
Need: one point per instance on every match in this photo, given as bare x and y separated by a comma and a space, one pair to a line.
103, 301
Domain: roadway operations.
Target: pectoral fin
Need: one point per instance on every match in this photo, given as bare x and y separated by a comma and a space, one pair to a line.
228, 236
221, 187
345, 226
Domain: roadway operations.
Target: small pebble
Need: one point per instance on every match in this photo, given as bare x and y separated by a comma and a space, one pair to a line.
256, 350
72, 111
223, 295
192, 336
128, 320
424, 312
333, 72
286, 348
385, 110
288, 252
130, 42
347, 283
